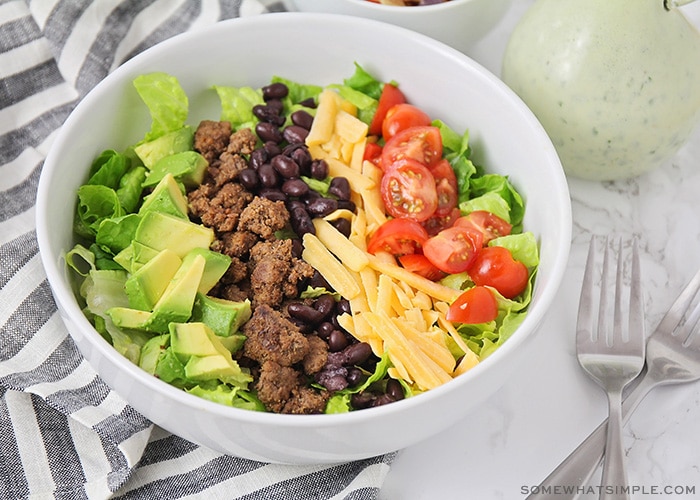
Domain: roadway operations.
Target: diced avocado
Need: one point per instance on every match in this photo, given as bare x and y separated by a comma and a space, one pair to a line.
125, 257
146, 285
141, 254
217, 367
188, 167
152, 352
215, 268
195, 339
223, 316
159, 231
125, 317
175, 304
170, 369
168, 144
233, 342
166, 197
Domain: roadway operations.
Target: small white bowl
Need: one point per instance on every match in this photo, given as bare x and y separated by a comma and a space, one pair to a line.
458, 23
321, 49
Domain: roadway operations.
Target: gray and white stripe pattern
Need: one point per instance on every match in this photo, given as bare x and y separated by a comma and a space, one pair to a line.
63, 432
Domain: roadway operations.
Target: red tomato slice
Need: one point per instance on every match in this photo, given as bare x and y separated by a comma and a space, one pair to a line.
422, 144
398, 237
437, 223
408, 190
373, 153
403, 116
446, 187
475, 305
419, 264
491, 225
390, 97
454, 249
495, 267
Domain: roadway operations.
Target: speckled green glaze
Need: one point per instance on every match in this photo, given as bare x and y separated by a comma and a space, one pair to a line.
616, 83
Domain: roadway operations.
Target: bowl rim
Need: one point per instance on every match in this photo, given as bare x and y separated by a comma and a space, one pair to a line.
68, 303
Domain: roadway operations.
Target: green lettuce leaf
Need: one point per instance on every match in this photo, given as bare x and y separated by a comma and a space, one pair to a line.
237, 105
166, 101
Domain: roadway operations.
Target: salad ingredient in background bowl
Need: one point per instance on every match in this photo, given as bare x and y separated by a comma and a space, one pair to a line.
187, 235
458, 23
407, 3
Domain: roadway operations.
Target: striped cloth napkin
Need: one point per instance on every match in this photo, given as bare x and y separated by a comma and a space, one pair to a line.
63, 432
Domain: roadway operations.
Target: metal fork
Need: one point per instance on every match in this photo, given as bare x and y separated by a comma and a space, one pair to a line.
611, 356
672, 357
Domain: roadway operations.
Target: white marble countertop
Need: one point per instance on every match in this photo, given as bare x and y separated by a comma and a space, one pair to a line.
514, 440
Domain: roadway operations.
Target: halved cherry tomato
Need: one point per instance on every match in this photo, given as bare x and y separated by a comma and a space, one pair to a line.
496, 267
408, 190
491, 225
403, 116
422, 144
373, 153
454, 249
475, 305
398, 237
437, 223
390, 97
419, 264
446, 187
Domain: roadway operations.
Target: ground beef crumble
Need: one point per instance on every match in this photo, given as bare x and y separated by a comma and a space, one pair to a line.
264, 269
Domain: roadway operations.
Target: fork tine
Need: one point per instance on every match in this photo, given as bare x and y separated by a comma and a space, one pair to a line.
584, 322
605, 285
636, 313
675, 314
617, 315
688, 332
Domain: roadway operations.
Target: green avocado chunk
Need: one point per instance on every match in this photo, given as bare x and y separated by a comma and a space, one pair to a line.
177, 141
146, 285
160, 231
188, 167
166, 197
223, 316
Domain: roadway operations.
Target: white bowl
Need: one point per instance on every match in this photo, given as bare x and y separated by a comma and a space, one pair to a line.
504, 135
458, 23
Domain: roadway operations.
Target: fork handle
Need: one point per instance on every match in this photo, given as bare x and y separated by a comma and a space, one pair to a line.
571, 476
614, 468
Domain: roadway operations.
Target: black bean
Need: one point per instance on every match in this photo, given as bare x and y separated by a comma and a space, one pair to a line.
325, 304
286, 167
272, 148
303, 159
272, 194
347, 205
356, 354
268, 176
269, 114
308, 103
292, 204
343, 226
343, 306
340, 187
294, 134
319, 169
301, 325
302, 118
277, 90
320, 207
301, 222
268, 132
354, 376
325, 329
318, 281
362, 400
297, 248
258, 157
276, 105
295, 187
305, 313
384, 399
394, 389
249, 179
337, 341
